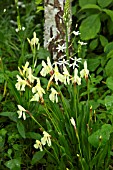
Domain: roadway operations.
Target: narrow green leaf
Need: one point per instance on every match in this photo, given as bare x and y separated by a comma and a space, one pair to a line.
21, 129
16, 94
37, 157
90, 27
38, 2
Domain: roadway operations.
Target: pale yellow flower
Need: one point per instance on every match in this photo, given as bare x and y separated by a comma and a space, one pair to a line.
25, 68
84, 72
38, 90
76, 78
29, 75
34, 41
46, 139
35, 97
57, 75
38, 145
66, 75
54, 95
20, 85
21, 112
73, 121
47, 68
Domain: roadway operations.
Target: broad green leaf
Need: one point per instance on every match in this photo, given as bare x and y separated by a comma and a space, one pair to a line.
7, 114
108, 47
90, 6
93, 64
85, 2
13, 164
104, 3
21, 129
109, 83
93, 44
110, 27
11, 115
33, 135
109, 102
90, 27
104, 133
109, 67
109, 12
110, 54
103, 40
37, 157
3, 132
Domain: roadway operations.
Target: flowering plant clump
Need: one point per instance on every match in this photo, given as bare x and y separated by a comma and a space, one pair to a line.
55, 92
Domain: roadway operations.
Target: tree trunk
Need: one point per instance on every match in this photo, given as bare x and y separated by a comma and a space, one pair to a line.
56, 28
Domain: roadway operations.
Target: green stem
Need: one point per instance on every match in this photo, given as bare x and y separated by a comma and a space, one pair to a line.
67, 45
35, 120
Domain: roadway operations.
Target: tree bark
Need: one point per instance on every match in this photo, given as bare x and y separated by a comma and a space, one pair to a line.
55, 26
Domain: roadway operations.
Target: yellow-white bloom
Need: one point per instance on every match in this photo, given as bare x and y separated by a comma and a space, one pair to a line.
35, 97
38, 90
21, 112
66, 75
25, 68
57, 75
73, 121
34, 41
76, 78
54, 95
46, 139
38, 145
47, 68
29, 75
20, 85
84, 72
